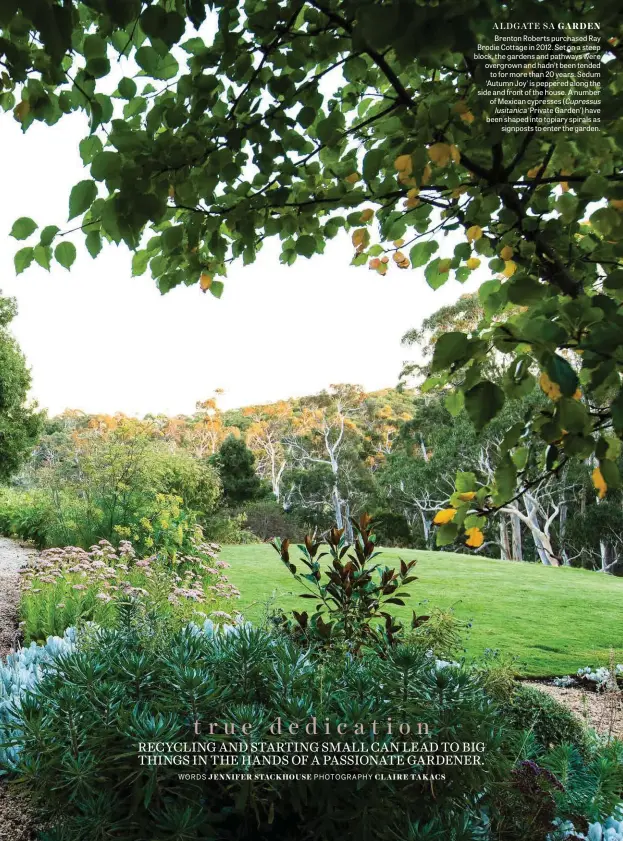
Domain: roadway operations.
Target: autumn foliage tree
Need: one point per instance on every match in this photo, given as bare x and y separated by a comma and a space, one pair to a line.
303, 119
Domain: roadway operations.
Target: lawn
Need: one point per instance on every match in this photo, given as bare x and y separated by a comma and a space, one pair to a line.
552, 620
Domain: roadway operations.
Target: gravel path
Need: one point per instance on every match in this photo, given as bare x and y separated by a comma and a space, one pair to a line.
15, 824
601, 710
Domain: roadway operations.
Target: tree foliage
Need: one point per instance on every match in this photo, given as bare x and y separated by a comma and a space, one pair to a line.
299, 119
236, 467
19, 422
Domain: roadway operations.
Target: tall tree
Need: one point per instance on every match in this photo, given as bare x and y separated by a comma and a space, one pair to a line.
236, 466
20, 422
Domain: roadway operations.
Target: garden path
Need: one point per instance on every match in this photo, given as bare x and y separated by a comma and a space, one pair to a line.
15, 824
13, 556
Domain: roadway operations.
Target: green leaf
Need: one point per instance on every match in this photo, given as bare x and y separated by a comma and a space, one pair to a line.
617, 413
196, 11
93, 243
306, 245
157, 66
572, 415
216, 288
82, 197
65, 254
48, 234
450, 348
105, 165
372, 163
140, 259
454, 402
465, 482
434, 277
483, 402
43, 255
306, 116
505, 480
447, 534
421, 253
89, 148
23, 259
172, 238
98, 67
560, 371
595, 186
23, 228
127, 88
94, 47
610, 472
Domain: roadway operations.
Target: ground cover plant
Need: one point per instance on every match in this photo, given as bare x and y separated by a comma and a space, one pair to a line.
520, 609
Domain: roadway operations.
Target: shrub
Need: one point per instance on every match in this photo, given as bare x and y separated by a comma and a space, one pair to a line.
266, 518
78, 732
69, 587
550, 722
26, 515
358, 593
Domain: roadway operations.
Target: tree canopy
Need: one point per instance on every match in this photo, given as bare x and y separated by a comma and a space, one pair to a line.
215, 126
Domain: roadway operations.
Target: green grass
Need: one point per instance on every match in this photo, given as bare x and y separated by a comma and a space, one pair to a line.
553, 620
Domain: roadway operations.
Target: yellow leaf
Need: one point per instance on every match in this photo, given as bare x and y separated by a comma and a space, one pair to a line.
506, 253
413, 193
460, 107
205, 281
617, 204
403, 163
399, 242
455, 154
473, 263
468, 117
549, 387
353, 177
474, 233
467, 496
509, 268
366, 215
440, 154
358, 237
578, 394
475, 537
444, 516
599, 482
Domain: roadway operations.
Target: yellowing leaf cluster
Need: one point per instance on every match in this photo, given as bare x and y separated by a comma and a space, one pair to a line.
549, 387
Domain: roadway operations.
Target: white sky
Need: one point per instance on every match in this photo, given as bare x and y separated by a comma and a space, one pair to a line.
100, 340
